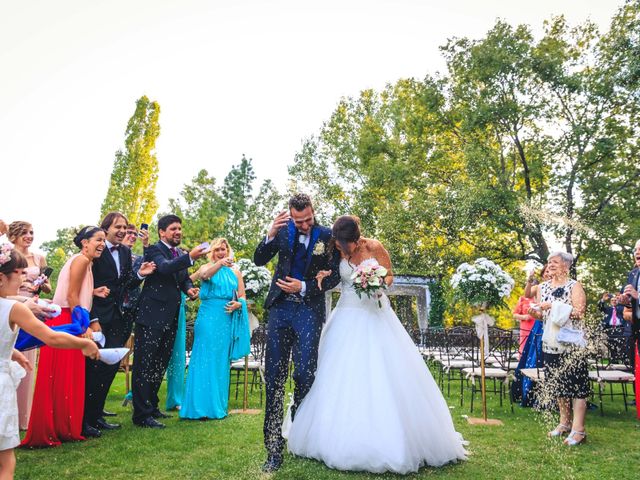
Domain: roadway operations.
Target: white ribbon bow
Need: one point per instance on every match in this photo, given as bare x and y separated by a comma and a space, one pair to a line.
483, 322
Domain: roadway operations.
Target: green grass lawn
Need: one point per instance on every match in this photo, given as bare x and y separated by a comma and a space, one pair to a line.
232, 449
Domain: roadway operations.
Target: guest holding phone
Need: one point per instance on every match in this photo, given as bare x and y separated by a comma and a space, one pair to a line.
157, 318
20, 233
222, 293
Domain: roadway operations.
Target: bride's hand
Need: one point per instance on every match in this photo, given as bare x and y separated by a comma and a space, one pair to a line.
322, 274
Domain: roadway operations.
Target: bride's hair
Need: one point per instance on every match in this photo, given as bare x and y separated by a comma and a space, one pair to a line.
346, 229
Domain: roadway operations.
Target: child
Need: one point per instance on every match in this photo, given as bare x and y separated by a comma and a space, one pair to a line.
14, 315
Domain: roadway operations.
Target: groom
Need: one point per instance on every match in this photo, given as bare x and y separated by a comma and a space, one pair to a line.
296, 310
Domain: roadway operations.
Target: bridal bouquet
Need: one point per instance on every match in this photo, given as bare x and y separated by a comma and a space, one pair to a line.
368, 279
482, 283
256, 279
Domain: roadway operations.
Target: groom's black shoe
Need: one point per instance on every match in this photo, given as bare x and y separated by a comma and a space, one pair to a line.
273, 463
108, 414
149, 422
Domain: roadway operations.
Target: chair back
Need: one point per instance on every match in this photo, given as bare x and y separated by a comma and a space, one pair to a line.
259, 343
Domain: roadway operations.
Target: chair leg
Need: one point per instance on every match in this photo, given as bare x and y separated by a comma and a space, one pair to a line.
508, 387
624, 396
237, 383
600, 398
611, 391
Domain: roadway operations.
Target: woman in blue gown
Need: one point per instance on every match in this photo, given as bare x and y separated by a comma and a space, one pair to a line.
223, 302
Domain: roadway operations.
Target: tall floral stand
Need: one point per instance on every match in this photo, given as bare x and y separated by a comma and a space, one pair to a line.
245, 401
483, 321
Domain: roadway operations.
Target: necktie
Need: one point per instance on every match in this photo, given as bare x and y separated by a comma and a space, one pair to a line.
302, 238
113, 248
614, 318
174, 252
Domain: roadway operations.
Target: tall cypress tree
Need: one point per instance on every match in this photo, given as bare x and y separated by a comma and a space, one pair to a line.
132, 188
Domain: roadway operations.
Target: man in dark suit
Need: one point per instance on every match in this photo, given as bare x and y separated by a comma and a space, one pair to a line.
296, 307
112, 270
157, 318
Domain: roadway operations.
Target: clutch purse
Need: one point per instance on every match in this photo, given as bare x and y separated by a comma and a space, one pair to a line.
571, 336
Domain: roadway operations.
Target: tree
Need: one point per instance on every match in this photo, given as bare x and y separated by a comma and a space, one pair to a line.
247, 216
135, 171
522, 142
201, 208
59, 250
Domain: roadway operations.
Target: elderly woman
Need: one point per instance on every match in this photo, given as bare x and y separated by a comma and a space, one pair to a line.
222, 292
562, 303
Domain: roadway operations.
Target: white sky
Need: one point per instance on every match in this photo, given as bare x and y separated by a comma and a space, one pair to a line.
232, 77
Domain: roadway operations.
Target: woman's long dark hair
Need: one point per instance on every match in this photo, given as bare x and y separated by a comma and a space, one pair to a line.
346, 229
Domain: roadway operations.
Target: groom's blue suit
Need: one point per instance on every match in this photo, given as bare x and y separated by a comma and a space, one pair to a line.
295, 321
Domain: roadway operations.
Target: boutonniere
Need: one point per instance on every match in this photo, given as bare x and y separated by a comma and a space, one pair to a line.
319, 249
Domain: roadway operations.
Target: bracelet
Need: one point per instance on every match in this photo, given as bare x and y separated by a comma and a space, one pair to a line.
94, 320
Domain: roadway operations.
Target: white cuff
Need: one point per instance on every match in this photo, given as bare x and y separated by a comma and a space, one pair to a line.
267, 240
303, 290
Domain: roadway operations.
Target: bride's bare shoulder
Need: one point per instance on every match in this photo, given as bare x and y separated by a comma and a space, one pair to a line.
373, 245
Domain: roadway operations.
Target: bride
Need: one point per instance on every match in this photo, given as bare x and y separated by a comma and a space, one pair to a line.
374, 405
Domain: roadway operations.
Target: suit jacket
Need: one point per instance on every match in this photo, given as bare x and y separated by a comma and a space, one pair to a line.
160, 296
632, 279
105, 273
318, 258
133, 293
607, 309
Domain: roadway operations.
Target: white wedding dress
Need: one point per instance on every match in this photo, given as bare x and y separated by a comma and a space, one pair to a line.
374, 405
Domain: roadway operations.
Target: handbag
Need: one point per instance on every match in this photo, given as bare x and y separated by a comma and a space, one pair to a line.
571, 336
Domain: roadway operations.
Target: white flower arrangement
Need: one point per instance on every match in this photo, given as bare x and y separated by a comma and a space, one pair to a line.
256, 279
482, 283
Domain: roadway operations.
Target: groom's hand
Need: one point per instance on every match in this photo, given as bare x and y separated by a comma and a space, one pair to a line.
280, 221
289, 285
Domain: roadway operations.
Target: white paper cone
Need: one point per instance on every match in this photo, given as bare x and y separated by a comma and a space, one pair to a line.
111, 356
99, 338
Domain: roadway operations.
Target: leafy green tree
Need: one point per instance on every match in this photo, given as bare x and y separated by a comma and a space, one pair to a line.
520, 142
59, 250
201, 208
132, 187
247, 215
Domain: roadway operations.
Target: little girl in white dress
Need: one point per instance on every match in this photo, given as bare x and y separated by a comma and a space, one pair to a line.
15, 315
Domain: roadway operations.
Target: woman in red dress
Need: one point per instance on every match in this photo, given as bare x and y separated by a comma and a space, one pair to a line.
58, 400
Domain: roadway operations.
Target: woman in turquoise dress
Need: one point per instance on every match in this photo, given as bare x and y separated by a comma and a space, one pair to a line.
221, 319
